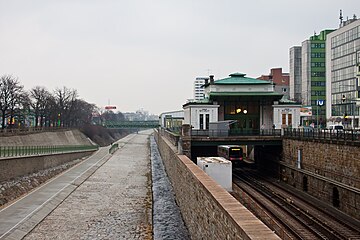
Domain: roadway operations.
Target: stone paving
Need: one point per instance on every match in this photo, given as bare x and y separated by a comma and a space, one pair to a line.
114, 203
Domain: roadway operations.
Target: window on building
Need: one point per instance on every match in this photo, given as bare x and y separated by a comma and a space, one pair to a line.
318, 93
318, 74
283, 119
289, 119
318, 83
201, 121
318, 45
318, 64
317, 55
207, 120
250, 123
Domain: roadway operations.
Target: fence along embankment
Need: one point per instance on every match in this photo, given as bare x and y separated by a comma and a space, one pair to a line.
14, 162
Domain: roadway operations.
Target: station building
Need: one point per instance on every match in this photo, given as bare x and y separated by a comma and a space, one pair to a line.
248, 101
171, 120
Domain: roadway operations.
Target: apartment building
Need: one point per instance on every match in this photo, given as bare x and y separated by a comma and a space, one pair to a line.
199, 88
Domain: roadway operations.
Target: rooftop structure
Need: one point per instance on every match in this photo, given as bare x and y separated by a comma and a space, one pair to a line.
280, 79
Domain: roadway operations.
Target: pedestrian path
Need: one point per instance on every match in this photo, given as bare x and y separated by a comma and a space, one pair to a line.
104, 197
21, 216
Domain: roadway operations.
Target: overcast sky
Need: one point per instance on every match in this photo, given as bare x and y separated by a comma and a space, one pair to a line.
146, 53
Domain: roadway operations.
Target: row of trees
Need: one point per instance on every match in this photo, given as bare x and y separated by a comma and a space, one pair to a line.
62, 107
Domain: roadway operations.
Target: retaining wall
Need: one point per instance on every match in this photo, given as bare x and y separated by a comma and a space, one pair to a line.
208, 210
11, 167
20, 166
321, 168
66, 137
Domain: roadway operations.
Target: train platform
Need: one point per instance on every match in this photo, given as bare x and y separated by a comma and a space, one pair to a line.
107, 196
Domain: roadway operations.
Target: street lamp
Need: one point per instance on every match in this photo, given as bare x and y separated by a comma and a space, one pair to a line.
319, 103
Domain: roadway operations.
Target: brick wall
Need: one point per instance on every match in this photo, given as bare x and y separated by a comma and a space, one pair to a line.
208, 210
325, 166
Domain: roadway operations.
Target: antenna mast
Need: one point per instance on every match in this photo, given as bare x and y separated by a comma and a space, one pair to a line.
341, 18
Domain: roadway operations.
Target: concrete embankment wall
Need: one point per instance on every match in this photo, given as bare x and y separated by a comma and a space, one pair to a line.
12, 167
68, 137
20, 166
208, 210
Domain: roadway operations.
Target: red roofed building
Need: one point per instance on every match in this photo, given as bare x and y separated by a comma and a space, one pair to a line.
280, 79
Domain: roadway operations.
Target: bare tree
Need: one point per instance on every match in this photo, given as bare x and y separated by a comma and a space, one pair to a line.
11, 97
82, 113
52, 112
40, 103
22, 109
65, 99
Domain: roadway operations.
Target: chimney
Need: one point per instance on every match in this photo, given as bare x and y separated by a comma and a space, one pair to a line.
211, 79
206, 81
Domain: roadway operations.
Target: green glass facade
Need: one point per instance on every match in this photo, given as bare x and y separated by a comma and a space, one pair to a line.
315, 71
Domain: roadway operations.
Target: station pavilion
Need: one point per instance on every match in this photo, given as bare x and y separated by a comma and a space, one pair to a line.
247, 100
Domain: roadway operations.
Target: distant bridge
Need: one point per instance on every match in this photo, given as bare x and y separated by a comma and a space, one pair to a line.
131, 124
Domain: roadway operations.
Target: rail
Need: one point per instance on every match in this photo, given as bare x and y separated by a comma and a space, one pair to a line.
323, 134
22, 151
236, 132
27, 130
132, 124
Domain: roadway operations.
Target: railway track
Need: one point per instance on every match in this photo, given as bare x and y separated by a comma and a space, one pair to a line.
294, 217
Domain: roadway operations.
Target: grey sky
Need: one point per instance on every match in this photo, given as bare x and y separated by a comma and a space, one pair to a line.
147, 53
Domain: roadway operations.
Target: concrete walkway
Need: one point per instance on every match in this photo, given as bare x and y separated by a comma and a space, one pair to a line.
105, 197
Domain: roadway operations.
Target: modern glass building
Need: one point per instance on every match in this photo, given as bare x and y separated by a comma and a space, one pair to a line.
342, 63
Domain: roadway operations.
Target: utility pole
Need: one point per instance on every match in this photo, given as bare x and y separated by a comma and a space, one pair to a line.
317, 109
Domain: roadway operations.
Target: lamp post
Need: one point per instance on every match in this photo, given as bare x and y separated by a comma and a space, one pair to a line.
317, 109
343, 100
350, 99
319, 103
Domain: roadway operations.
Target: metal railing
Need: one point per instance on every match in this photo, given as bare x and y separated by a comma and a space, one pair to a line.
236, 132
132, 124
27, 130
323, 134
21, 151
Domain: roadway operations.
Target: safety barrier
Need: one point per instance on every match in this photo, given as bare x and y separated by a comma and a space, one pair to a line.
113, 148
323, 134
19, 151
